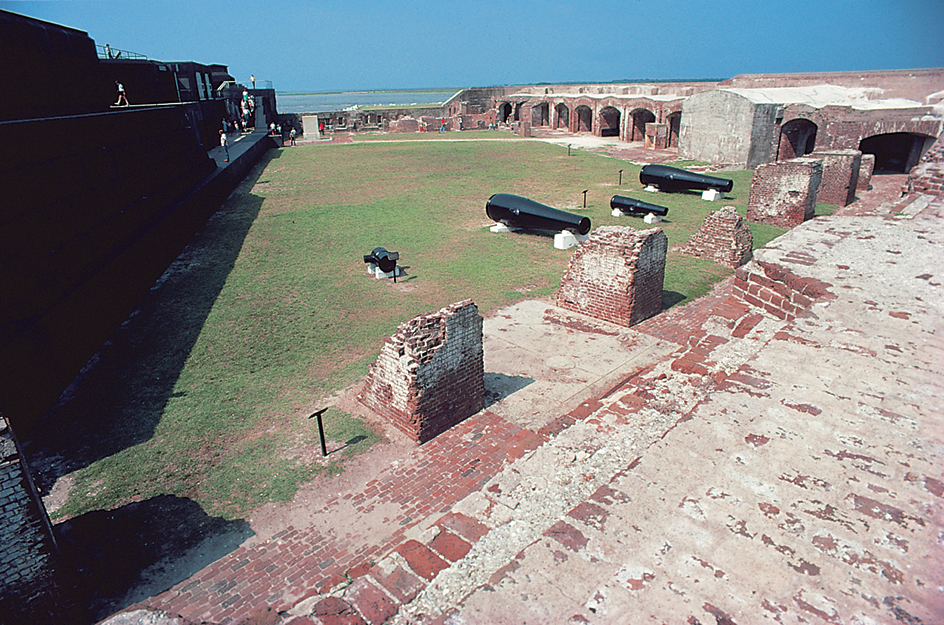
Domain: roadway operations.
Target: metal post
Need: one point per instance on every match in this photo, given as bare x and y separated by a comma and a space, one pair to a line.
585, 197
620, 178
324, 449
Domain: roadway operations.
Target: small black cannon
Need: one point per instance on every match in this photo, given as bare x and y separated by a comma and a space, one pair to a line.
671, 179
387, 261
636, 207
518, 212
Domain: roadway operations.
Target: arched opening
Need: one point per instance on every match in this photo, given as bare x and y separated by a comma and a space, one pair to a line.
584, 118
674, 120
504, 111
895, 152
641, 117
797, 137
518, 106
563, 116
541, 114
609, 122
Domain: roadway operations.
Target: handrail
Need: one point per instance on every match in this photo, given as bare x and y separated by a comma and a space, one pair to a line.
107, 52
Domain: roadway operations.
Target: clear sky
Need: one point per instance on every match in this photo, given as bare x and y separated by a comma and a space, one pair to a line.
407, 44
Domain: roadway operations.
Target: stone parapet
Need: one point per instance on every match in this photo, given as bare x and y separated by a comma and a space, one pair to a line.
616, 275
429, 375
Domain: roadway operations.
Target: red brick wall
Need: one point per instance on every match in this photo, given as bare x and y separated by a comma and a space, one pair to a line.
616, 275
724, 237
657, 136
928, 176
840, 176
777, 290
865, 172
429, 375
785, 193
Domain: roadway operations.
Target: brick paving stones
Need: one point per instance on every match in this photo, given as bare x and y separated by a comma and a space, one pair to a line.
748, 469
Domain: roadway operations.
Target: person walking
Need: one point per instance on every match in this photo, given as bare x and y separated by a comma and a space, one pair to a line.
121, 94
291, 135
225, 147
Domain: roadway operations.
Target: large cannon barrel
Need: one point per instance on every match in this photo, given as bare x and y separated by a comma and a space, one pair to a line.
519, 212
672, 179
636, 207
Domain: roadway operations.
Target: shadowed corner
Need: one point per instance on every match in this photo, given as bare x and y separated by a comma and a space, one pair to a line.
123, 556
671, 298
498, 386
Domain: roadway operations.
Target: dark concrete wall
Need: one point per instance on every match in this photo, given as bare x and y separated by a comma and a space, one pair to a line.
96, 207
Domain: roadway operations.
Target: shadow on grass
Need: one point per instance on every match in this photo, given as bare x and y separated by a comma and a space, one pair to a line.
671, 298
123, 556
119, 397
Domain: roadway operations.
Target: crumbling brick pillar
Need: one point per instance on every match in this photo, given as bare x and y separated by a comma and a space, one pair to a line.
33, 586
616, 275
785, 193
840, 176
723, 237
657, 136
429, 375
865, 172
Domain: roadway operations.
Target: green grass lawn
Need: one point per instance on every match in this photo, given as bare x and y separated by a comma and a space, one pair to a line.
296, 316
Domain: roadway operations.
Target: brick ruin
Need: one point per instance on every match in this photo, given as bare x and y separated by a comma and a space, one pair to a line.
32, 589
785, 193
429, 375
616, 275
777, 290
865, 172
928, 175
723, 237
840, 176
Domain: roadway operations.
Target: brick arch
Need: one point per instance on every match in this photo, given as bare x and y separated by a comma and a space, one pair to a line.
541, 114
561, 116
674, 120
609, 122
640, 117
896, 152
584, 119
797, 137
504, 112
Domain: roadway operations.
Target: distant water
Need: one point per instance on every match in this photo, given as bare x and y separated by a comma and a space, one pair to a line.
321, 102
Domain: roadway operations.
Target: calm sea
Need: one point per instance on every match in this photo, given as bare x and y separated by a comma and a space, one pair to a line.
321, 102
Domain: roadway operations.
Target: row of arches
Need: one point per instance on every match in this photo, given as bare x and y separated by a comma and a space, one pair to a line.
895, 152
608, 122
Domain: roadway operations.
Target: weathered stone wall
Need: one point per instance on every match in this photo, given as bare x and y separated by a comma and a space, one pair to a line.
616, 275
776, 289
865, 172
785, 193
840, 176
429, 375
722, 127
724, 237
32, 584
913, 84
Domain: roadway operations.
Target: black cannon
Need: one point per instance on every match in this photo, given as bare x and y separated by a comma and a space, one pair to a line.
518, 212
671, 179
636, 207
387, 261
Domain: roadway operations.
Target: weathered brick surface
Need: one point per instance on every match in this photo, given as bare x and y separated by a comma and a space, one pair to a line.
840, 176
724, 237
33, 587
776, 289
928, 176
616, 275
865, 172
785, 193
429, 376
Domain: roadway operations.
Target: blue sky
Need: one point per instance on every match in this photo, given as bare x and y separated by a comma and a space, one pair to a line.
407, 44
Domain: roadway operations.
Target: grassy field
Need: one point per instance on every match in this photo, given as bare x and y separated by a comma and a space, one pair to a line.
207, 394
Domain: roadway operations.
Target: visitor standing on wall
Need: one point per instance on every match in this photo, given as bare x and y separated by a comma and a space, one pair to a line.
121, 94
225, 147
